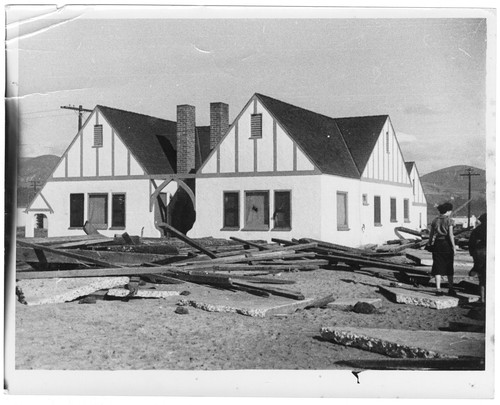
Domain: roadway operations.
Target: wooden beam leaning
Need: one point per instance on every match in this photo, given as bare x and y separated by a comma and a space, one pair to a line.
186, 239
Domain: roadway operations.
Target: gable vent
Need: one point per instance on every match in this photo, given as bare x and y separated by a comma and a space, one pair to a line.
256, 126
97, 135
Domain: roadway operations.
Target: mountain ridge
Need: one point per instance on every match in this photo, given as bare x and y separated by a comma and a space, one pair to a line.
447, 184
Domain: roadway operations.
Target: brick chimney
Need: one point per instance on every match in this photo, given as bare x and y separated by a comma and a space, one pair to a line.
219, 122
186, 129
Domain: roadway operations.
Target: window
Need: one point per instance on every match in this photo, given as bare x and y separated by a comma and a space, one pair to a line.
97, 136
98, 210
413, 185
377, 211
387, 142
342, 222
118, 211
257, 210
76, 210
365, 199
406, 210
282, 210
256, 126
231, 210
394, 217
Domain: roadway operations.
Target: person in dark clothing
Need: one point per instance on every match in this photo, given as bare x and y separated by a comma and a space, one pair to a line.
477, 249
443, 251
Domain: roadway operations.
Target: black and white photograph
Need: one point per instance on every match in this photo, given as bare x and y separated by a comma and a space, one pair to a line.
250, 201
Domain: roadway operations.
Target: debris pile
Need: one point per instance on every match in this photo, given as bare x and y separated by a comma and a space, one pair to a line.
127, 266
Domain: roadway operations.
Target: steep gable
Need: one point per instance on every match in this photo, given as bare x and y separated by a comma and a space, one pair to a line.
317, 135
151, 140
361, 135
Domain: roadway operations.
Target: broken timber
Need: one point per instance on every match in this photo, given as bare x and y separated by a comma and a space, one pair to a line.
186, 239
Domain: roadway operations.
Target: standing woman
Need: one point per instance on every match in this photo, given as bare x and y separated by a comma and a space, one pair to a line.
443, 252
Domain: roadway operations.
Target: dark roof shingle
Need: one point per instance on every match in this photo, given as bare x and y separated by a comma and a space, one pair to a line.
153, 141
339, 146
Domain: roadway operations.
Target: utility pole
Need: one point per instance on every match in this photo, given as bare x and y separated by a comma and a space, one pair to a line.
469, 174
80, 110
35, 184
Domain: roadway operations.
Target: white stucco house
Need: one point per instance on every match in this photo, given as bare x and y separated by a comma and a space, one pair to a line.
282, 171
126, 172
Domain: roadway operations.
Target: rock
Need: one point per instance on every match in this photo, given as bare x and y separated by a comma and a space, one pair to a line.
364, 308
182, 310
477, 314
185, 293
347, 304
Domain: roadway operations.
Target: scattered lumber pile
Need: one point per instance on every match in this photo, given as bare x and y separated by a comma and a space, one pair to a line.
234, 264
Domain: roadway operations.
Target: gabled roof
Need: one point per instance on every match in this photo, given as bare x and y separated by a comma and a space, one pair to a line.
339, 146
153, 141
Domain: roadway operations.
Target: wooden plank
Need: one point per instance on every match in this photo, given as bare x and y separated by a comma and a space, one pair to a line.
83, 243
297, 295
265, 267
305, 262
245, 242
218, 280
60, 239
128, 240
373, 263
67, 254
25, 254
186, 239
107, 272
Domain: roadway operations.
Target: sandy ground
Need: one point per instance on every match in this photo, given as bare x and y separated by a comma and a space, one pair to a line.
148, 334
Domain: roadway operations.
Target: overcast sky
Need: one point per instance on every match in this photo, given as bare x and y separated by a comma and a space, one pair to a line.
428, 75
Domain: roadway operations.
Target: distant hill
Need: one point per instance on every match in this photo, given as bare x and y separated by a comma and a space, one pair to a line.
447, 185
33, 169
36, 168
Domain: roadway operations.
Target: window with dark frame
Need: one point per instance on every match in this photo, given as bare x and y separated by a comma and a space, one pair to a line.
257, 210
76, 205
282, 210
256, 126
231, 210
98, 210
97, 135
365, 199
406, 210
377, 212
394, 217
118, 211
342, 214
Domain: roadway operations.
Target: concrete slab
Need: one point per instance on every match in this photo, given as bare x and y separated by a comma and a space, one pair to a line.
347, 304
57, 290
258, 309
420, 257
425, 297
409, 343
141, 293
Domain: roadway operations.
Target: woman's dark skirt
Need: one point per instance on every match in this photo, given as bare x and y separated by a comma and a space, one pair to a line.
442, 258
